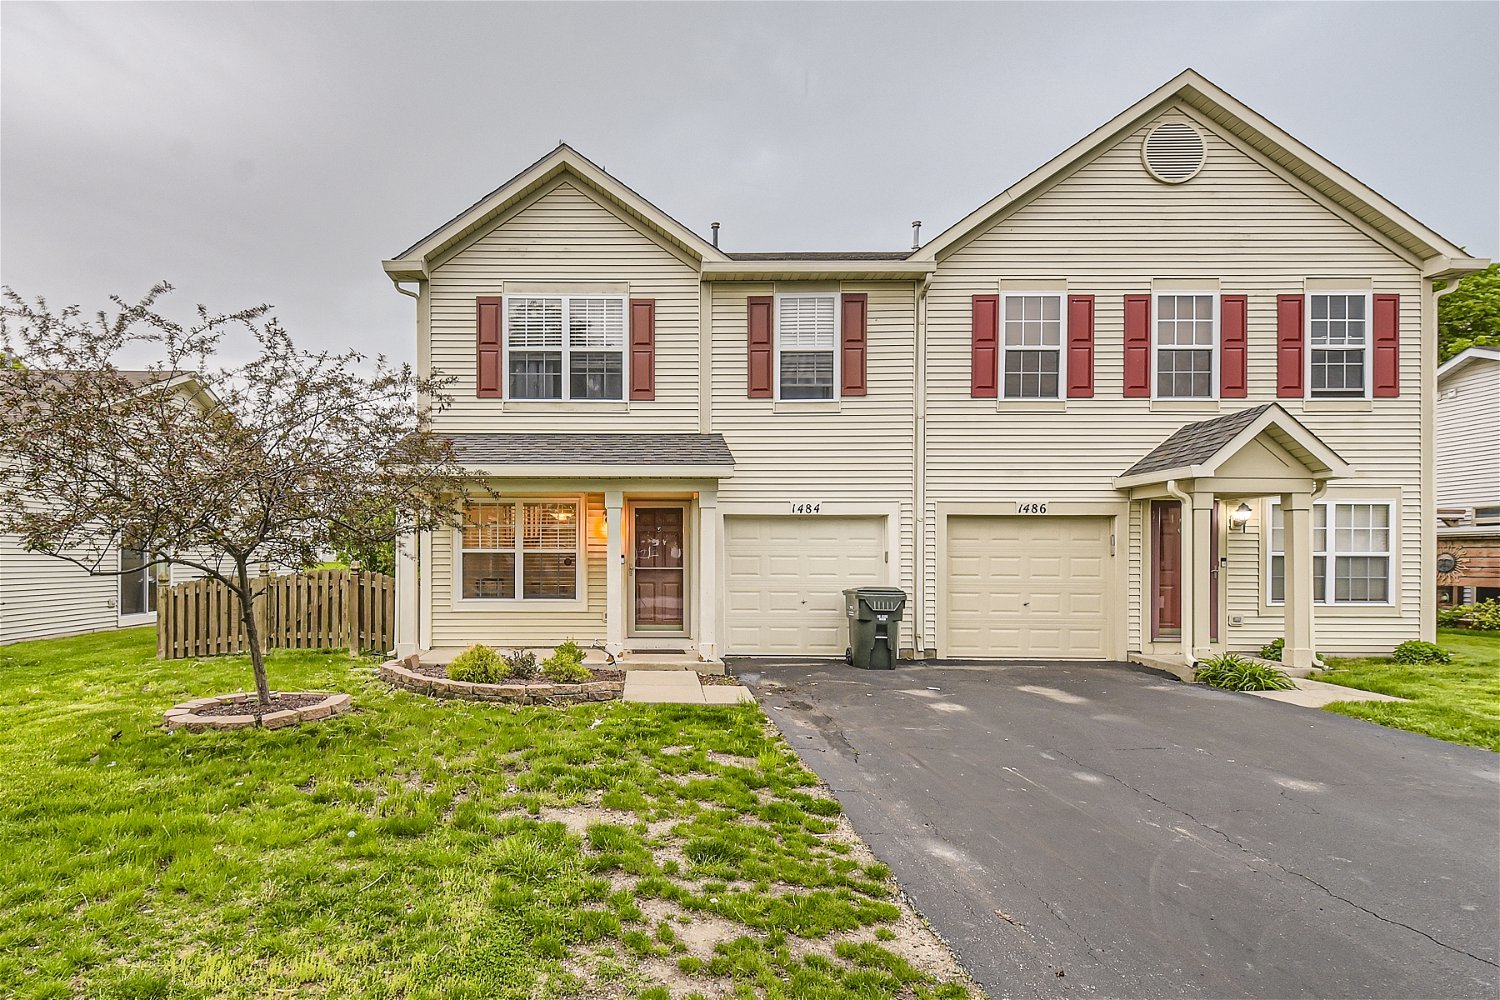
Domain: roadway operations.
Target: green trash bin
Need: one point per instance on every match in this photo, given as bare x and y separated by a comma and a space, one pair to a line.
873, 613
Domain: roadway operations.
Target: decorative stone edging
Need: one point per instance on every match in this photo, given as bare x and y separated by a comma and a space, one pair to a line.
185, 716
397, 672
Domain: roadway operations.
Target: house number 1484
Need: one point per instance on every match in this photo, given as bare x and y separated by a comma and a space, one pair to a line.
1031, 508
799, 507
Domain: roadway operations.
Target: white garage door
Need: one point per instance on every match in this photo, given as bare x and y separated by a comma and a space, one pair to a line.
786, 577
1028, 587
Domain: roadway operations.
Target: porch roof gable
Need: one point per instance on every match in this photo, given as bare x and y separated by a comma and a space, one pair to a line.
1199, 449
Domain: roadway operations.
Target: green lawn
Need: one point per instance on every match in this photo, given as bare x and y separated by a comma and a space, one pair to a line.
1458, 702
416, 848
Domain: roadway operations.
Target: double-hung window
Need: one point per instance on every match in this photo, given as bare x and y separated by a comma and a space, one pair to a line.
1354, 539
1032, 346
1186, 335
806, 346
522, 550
137, 583
1338, 334
565, 346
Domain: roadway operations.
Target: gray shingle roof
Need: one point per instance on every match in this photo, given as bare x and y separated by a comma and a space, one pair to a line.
592, 449
819, 255
1197, 442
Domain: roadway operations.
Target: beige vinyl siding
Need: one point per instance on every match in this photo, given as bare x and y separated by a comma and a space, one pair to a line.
1468, 435
564, 235
858, 450
1108, 229
515, 624
42, 596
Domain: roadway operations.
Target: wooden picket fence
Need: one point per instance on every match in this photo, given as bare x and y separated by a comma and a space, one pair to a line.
319, 609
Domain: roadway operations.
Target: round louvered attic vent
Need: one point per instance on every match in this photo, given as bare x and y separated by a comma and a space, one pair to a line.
1174, 152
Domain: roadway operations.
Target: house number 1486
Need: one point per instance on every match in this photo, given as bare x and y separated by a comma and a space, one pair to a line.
1031, 508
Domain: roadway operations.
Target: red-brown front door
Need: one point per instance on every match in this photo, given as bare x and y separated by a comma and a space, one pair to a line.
658, 567
1166, 569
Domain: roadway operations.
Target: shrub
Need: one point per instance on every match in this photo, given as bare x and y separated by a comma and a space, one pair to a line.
1272, 650
1233, 672
565, 665
1416, 651
479, 664
521, 664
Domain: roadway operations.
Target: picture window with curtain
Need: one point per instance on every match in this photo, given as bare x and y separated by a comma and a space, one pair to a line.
1357, 544
526, 550
806, 342
137, 583
1338, 335
1185, 342
565, 347
1032, 342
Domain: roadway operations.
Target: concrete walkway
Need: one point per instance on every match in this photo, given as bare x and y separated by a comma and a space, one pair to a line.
680, 687
1316, 694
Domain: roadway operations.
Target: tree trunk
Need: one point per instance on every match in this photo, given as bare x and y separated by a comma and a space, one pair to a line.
252, 637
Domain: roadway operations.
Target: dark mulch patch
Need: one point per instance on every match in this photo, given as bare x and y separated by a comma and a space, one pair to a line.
718, 679
596, 674
279, 703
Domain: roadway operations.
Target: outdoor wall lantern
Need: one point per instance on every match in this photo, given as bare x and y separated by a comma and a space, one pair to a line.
1240, 517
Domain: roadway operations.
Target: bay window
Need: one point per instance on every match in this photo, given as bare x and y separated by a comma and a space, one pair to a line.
1186, 337
565, 346
1351, 553
520, 550
1032, 346
806, 338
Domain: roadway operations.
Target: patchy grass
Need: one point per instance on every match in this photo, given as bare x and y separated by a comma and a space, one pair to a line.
416, 848
1458, 702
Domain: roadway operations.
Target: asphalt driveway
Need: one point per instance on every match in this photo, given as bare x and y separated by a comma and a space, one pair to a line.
1099, 830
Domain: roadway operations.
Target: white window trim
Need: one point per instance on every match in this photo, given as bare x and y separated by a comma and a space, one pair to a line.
1329, 557
580, 562
1062, 345
1156, 348
567, 349
1307, 344
838, 343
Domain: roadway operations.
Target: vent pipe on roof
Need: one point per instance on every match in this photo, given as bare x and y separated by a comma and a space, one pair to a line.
916, 235
715, 227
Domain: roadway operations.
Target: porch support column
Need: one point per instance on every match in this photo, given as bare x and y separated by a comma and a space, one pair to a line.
424, 588
614, 572
407, 598
1297, 515
1200, 576
708, 573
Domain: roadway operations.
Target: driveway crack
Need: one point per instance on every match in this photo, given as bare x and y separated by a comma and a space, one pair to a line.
1241, 847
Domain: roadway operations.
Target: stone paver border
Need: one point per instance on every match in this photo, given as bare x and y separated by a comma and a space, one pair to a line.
400, 674
185, 715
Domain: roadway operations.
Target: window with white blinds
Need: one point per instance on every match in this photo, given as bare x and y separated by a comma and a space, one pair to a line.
520, 551
1353, 540
806, 346
586, 363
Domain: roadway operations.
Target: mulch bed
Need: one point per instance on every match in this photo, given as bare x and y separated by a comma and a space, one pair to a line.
279, 703
596, 674
718, 680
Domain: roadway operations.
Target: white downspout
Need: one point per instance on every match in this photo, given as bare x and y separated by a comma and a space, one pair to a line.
920, 640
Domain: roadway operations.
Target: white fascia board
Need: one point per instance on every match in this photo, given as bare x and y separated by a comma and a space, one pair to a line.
794, 269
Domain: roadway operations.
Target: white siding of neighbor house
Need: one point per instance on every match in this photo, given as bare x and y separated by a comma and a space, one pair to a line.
1109, 229
1468, 435
859, 450
567, 237
513, 623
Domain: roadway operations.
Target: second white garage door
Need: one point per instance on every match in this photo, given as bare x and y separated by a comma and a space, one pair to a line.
786, 577
1028, 587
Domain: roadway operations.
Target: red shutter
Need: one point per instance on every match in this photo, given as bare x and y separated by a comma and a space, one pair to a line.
1080, 346
1137, 346
854, 333
489, 367
1387, 344
984, 375
642, 348
1233, 345
761, 344
1289, 338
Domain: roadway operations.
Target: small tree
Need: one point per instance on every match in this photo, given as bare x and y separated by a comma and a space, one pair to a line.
1469, 316
213, 467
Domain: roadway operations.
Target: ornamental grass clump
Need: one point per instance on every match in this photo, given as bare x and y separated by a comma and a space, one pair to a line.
1233, 672
1416, 651
479, 664
565, 665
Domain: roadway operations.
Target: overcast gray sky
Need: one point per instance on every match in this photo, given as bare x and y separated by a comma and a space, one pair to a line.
278, 152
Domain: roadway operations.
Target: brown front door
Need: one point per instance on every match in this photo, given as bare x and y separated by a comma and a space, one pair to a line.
1166, 569
659, 568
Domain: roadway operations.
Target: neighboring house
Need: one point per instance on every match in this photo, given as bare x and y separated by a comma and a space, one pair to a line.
43, 596
1468, 477
1170, 393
